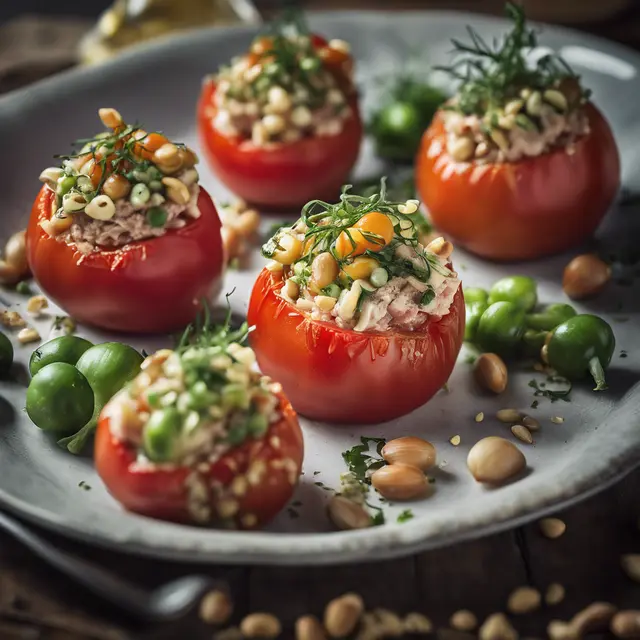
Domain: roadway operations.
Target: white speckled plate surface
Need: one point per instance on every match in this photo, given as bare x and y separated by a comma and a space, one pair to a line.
598, 442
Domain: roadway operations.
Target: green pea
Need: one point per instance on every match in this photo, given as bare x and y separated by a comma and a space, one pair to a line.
500, 328
397, 130
156, 217
199, 395
520, 290
154, 174
310, 64
379, 277
156, 186
257, 425
550, 317
238, 434
140, 175
332, 290
476, 294
59, 399
65, 185
6, 353
234, 396
160, 434
63, 349
140, 195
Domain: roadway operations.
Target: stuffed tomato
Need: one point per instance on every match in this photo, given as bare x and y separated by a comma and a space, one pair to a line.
122, 236
358, 321
199, 437
520, 163
281, 124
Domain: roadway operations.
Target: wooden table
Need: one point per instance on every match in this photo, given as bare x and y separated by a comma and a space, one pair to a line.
36, 602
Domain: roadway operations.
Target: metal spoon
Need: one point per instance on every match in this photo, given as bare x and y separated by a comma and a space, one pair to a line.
167, 602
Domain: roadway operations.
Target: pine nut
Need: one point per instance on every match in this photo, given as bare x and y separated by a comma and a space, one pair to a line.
309, 628
556, 99
522, 433
555, 594
259, 135
417, 623
15, 252
557, 419
215, 607
482, 150
301, 117
274, 267
279, 99
408, 207
514, 107
324, 269
28, 335
631, 566
401, 482
260, 625
342, 615
291, 289
455, 440
168, 158
531, 423
73, 202
595, 617
463, 620
461, 149
346, 514
12, 319
500, 139
177, 191
585, 276
304, 305
560, 630
348, 304
494, 460
441, 247
340, 45
248, 222
534, 104
50, 176
273, 124
509, 415
497, 627
524, 600
410, 450
110, 117
101, 208
325, 303
626, 624
479, 417
36, 304
490, 372
189, 177
552, 528
388, 623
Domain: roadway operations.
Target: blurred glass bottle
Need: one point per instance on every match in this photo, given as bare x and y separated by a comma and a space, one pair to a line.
130, 22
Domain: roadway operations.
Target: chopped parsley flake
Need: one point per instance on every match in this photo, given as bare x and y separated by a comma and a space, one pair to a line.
405, 515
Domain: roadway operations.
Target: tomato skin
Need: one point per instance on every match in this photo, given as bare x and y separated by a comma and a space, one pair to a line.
159, 492
287, 176
341, 376
526, 209
150, 286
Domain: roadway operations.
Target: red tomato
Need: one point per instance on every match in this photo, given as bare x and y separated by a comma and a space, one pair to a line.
338, 375
151, 286
525, 209
157, 492
285, 176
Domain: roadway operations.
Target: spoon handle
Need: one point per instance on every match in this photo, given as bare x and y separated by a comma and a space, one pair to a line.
99, 581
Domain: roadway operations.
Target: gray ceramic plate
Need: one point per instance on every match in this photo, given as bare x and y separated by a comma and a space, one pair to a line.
598, 442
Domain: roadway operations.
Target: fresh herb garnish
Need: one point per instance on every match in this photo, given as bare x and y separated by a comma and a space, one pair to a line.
24, 288
428, 296
555, 388
405, 515
360, 461
493, 73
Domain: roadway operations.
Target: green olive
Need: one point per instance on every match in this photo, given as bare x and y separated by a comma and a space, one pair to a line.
501, 328
160, 434
6, 353
59, 399
63, 349
520, 290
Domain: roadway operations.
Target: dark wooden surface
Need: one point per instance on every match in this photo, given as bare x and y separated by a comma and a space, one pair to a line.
36, 602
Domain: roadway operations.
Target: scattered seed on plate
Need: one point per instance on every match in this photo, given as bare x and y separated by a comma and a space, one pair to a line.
417, 623
479, 417
463, 620
524, 600
455, 440
631, 566
555, 594
261, 625
215, 607
626, 624
594, 618
561, 630
28, 335
497, 627
508, 415
531, 423
552, 528
522, 433
557, 420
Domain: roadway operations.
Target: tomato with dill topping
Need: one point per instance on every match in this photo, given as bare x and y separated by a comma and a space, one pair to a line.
339, 375
269, 466
525, 209
286, 174
149, 286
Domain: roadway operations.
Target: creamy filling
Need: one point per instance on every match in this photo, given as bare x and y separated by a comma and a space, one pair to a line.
130, 223
512, 142
277, 115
